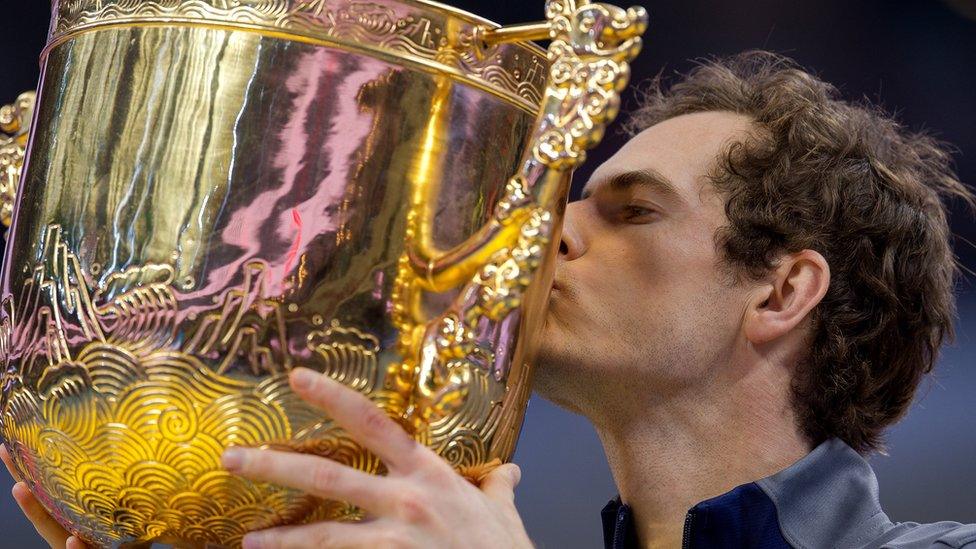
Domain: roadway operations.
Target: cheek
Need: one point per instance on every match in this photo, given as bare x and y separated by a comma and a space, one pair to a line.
663, 282
652, 269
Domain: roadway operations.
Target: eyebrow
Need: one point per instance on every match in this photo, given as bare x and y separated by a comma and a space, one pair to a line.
648, 178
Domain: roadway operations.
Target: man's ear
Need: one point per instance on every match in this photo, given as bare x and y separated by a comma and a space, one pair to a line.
790, 292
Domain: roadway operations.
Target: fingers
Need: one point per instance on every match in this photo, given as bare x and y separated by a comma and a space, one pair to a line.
322, 535
75, 543
361, 418
311, 474
9, 462
500, 484
46, 526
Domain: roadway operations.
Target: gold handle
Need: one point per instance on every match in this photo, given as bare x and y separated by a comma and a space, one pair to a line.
590, 50
15, 127
514, 33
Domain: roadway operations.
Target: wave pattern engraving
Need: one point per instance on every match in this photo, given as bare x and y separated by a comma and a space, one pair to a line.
118, 424
433, 35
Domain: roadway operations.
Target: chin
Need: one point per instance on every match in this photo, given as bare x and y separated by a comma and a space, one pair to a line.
558, 394
560, 379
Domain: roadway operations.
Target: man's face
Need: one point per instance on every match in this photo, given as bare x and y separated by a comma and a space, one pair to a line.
641, 307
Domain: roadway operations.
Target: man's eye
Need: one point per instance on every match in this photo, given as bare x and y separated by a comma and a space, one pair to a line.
637, 213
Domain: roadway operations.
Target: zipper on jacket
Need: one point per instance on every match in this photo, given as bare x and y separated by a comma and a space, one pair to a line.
618, 529
686, 536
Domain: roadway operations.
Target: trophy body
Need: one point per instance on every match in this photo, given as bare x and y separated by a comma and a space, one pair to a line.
217, 192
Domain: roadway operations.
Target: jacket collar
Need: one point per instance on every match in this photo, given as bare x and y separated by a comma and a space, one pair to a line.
830, 495
827, 498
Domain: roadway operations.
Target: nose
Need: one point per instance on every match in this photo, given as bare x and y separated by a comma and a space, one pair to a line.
571, 244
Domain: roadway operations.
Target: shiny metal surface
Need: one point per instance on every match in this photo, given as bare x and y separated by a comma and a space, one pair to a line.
421, 33
207, 204
14, 132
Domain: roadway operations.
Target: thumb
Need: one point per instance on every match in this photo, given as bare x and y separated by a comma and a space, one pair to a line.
500, 484
75, 543
46, 526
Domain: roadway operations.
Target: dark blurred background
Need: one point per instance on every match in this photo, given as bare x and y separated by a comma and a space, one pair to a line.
915, 58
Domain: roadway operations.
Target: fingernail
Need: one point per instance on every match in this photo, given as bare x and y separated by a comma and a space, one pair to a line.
516, 474
232, 459
302, 378
252, 541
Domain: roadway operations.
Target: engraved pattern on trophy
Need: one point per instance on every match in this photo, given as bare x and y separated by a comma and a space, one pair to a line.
377, 23
15, 127
130, 427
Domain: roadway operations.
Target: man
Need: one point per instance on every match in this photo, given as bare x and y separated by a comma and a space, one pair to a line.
747, 295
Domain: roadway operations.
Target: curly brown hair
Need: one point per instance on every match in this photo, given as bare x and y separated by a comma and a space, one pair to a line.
848, 181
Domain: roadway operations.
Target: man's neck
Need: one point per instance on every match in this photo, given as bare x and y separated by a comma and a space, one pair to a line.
678, 452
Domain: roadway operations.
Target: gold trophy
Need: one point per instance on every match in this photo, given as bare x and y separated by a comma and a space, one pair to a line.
217, 191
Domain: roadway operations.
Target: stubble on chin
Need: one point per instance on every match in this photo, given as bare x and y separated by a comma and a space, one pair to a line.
559, 375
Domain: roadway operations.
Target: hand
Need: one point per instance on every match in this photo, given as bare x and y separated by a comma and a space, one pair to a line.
46, 526
422, 502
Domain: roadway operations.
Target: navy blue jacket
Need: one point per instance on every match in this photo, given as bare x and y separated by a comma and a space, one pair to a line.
828, 499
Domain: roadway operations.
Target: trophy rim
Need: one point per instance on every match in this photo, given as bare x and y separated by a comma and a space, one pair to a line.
515, 72
475, 18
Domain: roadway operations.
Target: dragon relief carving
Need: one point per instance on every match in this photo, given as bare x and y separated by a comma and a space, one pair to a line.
15, 126
140, 309
592, 45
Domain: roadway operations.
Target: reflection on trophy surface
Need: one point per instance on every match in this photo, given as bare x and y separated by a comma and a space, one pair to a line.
217, 192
